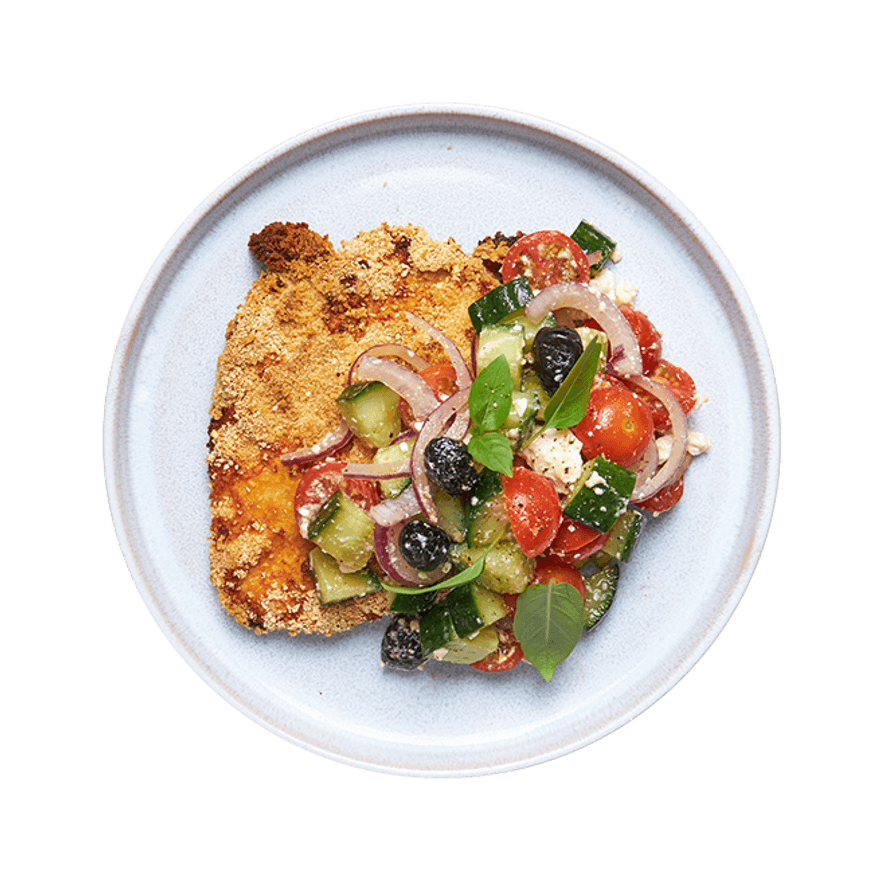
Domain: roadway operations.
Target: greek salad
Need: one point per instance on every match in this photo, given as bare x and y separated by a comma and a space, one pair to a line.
509, 483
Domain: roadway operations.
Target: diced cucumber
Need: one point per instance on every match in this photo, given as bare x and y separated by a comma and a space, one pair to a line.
600, 588
471, 607
623, 535
500, 302
530, 328
490, 522
531, 384
496, 339
388, 455
472, 648
506, 570
412, 603
451, 515
590, 334
590, 240
601, 494
343, 530
435, 629
334, 585
372, 411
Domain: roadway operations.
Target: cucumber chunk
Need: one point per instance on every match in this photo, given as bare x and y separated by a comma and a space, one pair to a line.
334, 585
623, 535
507, 340
471, 607
435, 629
506, 570
412, 603
601, 588
341, 529
372, 411
591, 240
500, 302
530, 328
471, 648
388, 455
601, 494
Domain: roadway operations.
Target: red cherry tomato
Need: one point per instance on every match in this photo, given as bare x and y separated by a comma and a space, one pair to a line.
552, 568
545, 258
618, 423
320, 481
571, 536
533, 509
679, 382
648, 337
505, 656
663, 500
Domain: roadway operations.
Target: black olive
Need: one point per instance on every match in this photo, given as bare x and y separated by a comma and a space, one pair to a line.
556, 350
423, 545
401, 644
450, 466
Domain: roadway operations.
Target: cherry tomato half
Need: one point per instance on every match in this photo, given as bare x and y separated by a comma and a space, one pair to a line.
618, 423
663, 500
505, 656
552, 568
533, 509
440, 378
679, 382
648, 337
545, 258
571, 536
320, 481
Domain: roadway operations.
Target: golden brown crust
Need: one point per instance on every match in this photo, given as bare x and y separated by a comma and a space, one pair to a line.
288, 351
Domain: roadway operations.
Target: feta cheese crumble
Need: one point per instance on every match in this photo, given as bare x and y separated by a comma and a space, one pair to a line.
557, 456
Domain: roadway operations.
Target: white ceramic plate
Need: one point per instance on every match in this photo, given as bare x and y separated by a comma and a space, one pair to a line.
464, 172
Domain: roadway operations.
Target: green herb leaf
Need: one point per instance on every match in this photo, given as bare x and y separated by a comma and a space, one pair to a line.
494, 451
568, 406
465, 576
491, 395
549, 622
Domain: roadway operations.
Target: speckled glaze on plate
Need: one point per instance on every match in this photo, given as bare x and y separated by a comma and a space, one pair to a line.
463, 172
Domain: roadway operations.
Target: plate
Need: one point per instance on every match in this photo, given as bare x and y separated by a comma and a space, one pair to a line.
463, 172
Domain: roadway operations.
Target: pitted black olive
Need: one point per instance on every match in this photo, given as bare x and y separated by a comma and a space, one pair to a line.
401, 644
556, 350
450, 466
423, 545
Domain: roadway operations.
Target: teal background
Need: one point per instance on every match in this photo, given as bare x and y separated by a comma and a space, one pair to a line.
120, 121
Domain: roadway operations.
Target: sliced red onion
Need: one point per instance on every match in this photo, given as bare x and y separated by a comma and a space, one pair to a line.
405, 382
378, 470
394, 510
385, 543
390, 349
647, 466
330, 443
432, 428
664, 476
462, 370
625, 358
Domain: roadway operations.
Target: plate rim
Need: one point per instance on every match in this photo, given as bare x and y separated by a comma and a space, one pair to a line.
235, 184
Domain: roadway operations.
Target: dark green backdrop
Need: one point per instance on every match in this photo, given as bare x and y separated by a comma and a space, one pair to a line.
119, 761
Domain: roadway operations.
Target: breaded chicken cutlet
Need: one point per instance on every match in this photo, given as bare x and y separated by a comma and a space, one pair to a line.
288, 351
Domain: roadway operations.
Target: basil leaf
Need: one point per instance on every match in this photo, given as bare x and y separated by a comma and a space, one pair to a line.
568, 406
491, 395
549, 622
465, 576
494, 451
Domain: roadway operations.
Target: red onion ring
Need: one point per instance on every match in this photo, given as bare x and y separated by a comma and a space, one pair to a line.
330, 443
462, 370
625, 358
404, 381
647, 465
395, 510
432, 428
385, 544
387, 470
664, 476
390, 349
